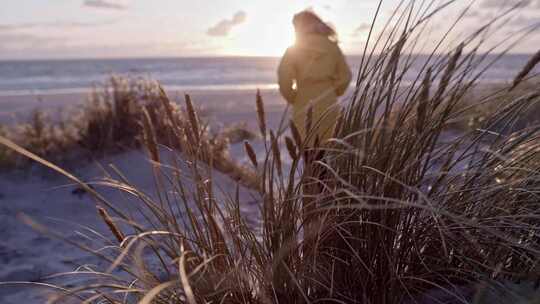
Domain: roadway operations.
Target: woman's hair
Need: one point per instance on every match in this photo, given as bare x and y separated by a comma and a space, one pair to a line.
307, 22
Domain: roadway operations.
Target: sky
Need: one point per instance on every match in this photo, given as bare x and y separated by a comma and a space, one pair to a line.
38, 29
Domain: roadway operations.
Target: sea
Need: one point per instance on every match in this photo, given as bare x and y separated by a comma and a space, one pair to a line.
215, 73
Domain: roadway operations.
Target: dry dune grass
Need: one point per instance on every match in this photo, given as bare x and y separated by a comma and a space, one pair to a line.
111, 121
487, 99
387, 212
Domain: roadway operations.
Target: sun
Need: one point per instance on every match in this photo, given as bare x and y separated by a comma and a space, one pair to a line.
267, 39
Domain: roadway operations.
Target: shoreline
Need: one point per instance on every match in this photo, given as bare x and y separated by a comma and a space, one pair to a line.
85, 90
222, 106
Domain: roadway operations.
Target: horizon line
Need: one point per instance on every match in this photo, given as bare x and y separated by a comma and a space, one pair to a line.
69, 58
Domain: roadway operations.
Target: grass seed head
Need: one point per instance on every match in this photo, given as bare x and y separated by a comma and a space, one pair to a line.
533, 62
261, 114
251, 153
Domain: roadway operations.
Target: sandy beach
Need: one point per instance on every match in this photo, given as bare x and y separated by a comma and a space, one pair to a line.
27, 255
223, 106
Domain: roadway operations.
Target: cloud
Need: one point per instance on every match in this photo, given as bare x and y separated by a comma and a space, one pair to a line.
526, 22
19, 41
510, 3
528, 16
225, 26
107, 4
27, 46
57, 24
361, 28
472, 14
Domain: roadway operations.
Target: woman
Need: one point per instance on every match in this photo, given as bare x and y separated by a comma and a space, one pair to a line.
313, 71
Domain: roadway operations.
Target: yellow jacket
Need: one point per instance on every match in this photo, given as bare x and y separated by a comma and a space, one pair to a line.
314, 71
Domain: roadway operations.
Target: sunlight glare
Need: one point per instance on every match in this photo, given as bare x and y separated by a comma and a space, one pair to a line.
271, 39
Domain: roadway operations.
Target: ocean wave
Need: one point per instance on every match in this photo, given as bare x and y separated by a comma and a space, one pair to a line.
86, 90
